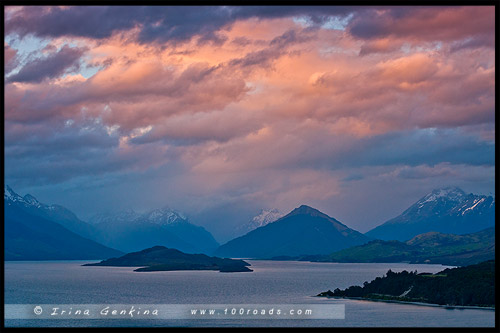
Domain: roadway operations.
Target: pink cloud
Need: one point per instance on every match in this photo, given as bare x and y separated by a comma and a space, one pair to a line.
276, 96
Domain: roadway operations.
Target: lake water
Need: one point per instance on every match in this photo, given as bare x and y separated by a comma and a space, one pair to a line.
272, 282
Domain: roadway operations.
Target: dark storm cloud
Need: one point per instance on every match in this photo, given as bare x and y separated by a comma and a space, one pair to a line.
51, 66
417, 147
317, 14
471, 43
411, 148
55, 152
54, 139
425, 172
157, 23
423, 23
84, 21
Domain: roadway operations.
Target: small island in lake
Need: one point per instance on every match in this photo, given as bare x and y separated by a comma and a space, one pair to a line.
160, 258
472, 285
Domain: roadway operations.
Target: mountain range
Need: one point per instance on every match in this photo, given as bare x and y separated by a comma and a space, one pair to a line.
124, 231
447, 210
30, 234
448, 218
55, 213
131, 231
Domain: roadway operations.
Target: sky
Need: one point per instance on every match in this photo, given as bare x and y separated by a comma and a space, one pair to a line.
219, 112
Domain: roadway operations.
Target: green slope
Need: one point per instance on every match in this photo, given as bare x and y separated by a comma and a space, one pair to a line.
432, 247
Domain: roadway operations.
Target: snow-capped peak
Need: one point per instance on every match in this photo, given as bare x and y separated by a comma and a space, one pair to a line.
164, 216
9, 194
451, 200
450, 193
32, 201
28, 200
266, 216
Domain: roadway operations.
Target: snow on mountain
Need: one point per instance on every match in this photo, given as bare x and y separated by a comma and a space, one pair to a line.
448, 193
53, 212
131, 231
164, 216
31, 200
303, 231
264, 217
28, 201
446, 210
473, 204
10, 195
450, 200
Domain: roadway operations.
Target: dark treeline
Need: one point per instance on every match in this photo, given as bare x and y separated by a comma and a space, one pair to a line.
472, 285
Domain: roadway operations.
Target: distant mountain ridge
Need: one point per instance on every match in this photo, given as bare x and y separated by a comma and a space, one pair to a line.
161, 216
125, 231
30, 233
53, 212
304, 230
448, 210
131, 231
440, 217
123, 216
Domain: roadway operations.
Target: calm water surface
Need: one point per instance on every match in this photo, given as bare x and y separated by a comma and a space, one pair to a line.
272, 282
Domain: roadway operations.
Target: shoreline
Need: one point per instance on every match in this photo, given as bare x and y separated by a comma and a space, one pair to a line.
451, 307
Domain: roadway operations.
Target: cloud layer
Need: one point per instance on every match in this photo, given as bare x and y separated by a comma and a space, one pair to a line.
249, 106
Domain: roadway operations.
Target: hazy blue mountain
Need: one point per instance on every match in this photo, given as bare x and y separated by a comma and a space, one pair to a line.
131, 231
125, 231
303, 231
449, 210
55, 213
123, 216
32, 237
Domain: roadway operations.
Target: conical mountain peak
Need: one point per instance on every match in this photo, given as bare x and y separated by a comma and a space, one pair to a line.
306, 210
